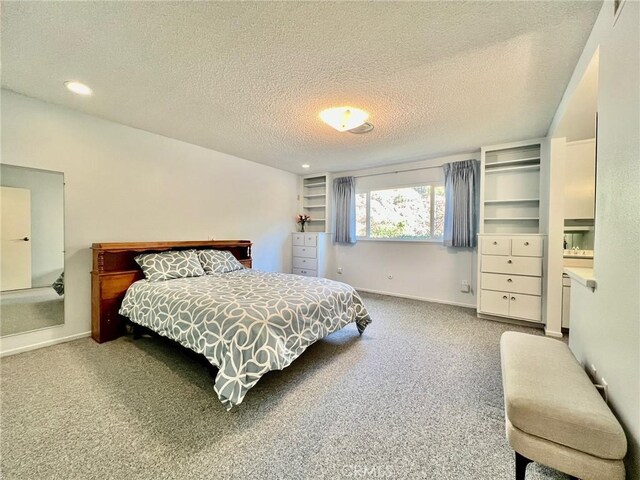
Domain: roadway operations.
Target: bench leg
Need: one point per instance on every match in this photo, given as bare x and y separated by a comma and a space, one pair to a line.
521, 466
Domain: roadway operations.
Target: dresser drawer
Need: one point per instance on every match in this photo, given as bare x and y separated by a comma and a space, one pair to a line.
311, 240
307, 252
298, 239
516, 305
496, 303
512, 283
526, 307
496, 245
527, 246
305, 272
511, 265
300, 262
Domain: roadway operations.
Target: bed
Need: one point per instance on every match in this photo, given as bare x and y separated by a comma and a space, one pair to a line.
244, 322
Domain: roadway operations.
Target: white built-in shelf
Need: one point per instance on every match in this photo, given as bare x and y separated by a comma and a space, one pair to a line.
317, 184
511, 219
314, 206
317, 220
514, 200
514, 168
504, 163
315, 195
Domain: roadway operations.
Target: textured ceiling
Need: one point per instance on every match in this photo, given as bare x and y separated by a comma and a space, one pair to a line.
249, 79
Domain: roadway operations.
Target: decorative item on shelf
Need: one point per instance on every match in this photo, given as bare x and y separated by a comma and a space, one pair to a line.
302, 219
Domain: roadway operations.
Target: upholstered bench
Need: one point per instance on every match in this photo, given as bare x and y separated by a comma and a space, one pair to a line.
554, 414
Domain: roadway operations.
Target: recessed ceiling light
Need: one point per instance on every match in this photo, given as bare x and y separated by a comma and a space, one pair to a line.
306, 165
79, 88
344, 118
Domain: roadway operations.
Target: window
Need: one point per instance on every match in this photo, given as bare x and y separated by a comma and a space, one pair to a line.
403, 213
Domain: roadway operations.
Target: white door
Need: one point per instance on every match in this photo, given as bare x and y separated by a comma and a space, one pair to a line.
15, 233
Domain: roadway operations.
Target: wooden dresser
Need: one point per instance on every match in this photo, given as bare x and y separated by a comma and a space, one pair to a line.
115, 269
511, 276
309, 251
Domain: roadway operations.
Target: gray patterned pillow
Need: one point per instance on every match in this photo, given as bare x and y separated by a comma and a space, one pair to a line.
218, 261
168, 265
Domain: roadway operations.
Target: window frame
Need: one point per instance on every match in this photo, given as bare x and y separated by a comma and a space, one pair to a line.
432, 196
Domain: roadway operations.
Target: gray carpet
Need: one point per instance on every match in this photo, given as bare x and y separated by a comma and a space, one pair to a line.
30, 310
419, 395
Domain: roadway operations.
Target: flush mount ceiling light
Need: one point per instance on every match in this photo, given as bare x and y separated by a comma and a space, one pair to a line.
305, 165
344, 119
79, 88
366, 127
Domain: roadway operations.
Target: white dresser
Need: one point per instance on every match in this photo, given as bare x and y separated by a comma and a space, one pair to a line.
309, 254
510, 280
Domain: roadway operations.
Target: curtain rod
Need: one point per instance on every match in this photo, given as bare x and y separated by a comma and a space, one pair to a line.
397, 171
406, 170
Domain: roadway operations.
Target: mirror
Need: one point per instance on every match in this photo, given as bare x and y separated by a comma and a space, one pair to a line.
32, 255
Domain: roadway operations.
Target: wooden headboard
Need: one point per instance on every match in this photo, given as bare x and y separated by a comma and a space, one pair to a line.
114, 269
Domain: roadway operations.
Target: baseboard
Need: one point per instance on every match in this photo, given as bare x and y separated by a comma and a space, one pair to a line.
48, 343
414, 297
551, 333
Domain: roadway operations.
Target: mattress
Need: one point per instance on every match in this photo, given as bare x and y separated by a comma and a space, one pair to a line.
245, 322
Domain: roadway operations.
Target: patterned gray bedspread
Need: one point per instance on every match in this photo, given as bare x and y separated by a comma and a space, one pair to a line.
246, 322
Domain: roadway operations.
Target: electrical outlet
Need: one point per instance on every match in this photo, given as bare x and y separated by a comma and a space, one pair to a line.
339, 270
390, 277
464, 286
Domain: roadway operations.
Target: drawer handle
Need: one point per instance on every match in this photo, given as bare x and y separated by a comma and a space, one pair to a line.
526, 244
504, 297
509, 280
495, 243
509, 261
513, 298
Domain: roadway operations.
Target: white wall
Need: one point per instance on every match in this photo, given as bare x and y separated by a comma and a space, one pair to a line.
124, 184
605, 324
47, 220
427, 271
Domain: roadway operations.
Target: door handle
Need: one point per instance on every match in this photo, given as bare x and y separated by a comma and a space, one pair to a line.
509, 280
504, 297
509, 261
23, 239
513, 298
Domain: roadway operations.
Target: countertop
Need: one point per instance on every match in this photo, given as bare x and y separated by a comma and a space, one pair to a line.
584, 276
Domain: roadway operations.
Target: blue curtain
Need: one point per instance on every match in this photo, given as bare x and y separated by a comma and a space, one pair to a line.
344, 199
462, 196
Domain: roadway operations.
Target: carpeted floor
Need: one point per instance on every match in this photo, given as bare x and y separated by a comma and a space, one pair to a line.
419, 395
31, 309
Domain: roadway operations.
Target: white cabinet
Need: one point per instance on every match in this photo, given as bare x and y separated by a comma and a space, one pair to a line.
580, 180
511, 276
309, 253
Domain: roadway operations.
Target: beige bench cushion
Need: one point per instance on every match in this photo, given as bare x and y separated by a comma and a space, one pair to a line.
547, 394
565, 459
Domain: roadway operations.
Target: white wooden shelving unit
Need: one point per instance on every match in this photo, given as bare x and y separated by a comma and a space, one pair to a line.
510, 189
310, 249
512, 247
315, 201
